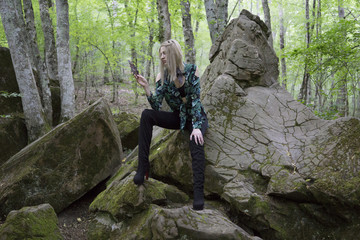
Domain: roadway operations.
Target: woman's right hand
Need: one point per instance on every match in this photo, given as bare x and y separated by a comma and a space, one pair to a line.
143, 82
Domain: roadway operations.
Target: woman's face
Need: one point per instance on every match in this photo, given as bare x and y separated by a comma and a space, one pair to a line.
163, 55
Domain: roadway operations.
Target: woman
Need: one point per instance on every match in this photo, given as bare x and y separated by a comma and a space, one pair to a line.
180, 85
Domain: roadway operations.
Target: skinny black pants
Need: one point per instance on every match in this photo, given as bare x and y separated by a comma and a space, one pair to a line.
171, 120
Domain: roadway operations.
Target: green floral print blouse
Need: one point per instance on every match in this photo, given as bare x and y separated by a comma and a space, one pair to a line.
192, 109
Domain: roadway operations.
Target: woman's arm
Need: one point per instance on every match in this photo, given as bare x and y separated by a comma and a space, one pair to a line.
196, 108
156, 99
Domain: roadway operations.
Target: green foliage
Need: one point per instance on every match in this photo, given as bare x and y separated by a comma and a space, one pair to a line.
8, 95
3, 40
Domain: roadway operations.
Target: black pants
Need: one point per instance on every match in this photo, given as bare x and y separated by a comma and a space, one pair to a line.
171, 120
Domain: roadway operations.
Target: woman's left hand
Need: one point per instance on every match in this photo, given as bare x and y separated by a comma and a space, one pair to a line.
198, 137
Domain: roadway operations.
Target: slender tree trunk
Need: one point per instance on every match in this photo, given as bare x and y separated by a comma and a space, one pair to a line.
149, 51
268, 19
358, 100
49, 40
106, 73
36, 59
282, 46
33, 111
190, 53
216, 15
305, 86
342, 100
164, 20
64, 61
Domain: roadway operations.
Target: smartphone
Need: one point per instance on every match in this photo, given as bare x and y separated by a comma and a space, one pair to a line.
134, 70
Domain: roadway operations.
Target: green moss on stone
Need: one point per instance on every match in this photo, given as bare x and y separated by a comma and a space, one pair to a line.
31, 223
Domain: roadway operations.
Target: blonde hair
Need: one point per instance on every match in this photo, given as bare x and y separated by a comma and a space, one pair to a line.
174, 59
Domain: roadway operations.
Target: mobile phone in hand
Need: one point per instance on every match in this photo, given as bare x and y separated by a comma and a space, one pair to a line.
134, 70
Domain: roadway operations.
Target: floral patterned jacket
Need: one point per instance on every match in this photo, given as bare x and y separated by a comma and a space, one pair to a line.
192, 110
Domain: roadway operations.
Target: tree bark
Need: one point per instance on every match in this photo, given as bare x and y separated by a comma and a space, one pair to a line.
164, 20
282, 46
342, 98
37, 61
49, 40
64, 61
216, 15
190, 53
33, 111
305, 86
149, 51
267, 16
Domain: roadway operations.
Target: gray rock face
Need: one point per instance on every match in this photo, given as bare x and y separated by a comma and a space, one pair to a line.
244, 53
37, 222
64, 164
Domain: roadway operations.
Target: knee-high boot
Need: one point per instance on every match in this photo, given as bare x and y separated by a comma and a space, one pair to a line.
145, 134
198, 167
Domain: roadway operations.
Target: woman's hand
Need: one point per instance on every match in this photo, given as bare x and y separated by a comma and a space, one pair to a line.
143, 82
198, 137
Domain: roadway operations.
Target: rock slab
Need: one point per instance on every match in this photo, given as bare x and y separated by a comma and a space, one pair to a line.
64, 164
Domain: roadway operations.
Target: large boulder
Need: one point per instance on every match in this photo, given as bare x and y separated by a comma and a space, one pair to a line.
285, 173
64, 164
37, 222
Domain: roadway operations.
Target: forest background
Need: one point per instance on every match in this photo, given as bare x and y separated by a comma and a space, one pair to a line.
317, 42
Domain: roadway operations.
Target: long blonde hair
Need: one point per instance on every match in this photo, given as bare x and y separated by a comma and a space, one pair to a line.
174, 59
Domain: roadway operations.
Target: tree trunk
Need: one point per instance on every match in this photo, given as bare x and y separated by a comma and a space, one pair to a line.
164, 20
36, 59
342, 99
106, 73
268, 19
33, 111
149, 52
64, 61
49, 40
190, 53
305, 86
282, 46
216, 15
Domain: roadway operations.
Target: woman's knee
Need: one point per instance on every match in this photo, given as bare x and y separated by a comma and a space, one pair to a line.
146, 113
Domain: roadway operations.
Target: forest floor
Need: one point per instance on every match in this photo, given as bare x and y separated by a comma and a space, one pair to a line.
75, 219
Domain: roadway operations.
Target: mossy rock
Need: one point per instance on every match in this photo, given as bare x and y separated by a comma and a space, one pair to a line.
123, 199
128, 125
38, 222
64, 164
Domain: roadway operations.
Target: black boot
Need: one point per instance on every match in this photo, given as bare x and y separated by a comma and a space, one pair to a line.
142, 171
198, 203
198, 167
